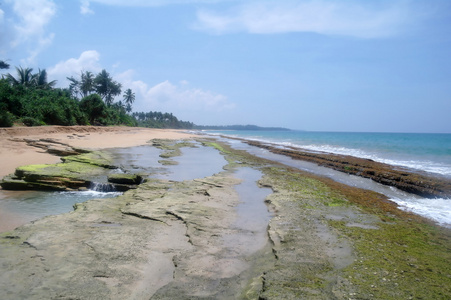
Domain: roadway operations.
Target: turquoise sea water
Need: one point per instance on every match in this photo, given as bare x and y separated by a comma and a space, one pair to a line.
425, 152
419, 152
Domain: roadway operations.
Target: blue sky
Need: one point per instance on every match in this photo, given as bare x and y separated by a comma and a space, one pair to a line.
320, 65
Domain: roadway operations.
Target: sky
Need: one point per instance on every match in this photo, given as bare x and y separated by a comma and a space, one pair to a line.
317, 65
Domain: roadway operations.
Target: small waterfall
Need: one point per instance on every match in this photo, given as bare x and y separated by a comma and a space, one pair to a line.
102, 187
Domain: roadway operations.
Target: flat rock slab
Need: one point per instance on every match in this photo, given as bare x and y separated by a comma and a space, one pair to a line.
73, 173
165, 238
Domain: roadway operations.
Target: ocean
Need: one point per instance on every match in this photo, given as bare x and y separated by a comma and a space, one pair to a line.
417, 151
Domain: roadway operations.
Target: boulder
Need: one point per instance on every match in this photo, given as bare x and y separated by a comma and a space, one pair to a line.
125, 178
62, 151
12, 182
74, 173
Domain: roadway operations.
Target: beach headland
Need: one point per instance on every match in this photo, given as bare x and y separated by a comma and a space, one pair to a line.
179, 240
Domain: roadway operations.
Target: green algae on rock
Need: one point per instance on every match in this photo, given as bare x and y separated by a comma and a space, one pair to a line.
171, 148
169, 240
95, 158
125, 178
332, 241
73, 173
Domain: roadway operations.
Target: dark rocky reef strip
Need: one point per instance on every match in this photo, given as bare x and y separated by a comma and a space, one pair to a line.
418, 183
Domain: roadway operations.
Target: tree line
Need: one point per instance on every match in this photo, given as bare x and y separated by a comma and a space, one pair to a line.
90, 99
155, 119
239, 127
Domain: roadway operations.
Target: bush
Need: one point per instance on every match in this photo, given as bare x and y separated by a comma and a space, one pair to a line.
29, 121
6, 119
94, 109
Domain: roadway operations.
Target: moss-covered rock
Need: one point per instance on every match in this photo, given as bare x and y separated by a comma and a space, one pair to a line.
95, 158
171, 148
11, 182
74, 173
167, 162
125, 178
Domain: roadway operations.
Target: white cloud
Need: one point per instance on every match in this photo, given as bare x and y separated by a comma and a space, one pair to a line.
152, 2
84, 8
186, 98
140, 3
32, 19
41, 45
350, 18
183, 101
88, 61
34, 15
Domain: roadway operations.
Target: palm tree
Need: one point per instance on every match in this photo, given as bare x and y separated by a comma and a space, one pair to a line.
106, 87
119, 105
129, 98
4, 65
74, 86
86, 83
40, 80
24, 77
84, 86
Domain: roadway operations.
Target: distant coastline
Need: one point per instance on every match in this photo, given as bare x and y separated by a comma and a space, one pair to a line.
240, 127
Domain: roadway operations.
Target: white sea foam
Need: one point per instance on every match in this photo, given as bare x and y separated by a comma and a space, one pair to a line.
422, 165
93, 194
438, 209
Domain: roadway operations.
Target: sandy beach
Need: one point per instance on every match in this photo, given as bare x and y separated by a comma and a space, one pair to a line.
204, 238
14, 152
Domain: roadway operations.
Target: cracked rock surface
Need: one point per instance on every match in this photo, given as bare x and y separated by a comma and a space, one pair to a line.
165, 240
187, 240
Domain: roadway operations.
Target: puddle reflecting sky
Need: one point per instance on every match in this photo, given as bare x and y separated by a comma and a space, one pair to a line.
20, 207
198, 162
253, 215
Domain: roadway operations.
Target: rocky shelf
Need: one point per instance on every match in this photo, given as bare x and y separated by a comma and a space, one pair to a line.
75, 172
419, 183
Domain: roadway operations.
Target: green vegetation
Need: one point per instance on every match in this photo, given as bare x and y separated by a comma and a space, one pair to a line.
30, 99
4, 65
160, 120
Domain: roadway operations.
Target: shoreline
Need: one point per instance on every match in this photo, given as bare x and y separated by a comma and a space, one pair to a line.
415, 182
169, 239
14, 151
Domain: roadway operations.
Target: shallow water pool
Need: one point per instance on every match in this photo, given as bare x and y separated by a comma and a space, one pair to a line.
20, 207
